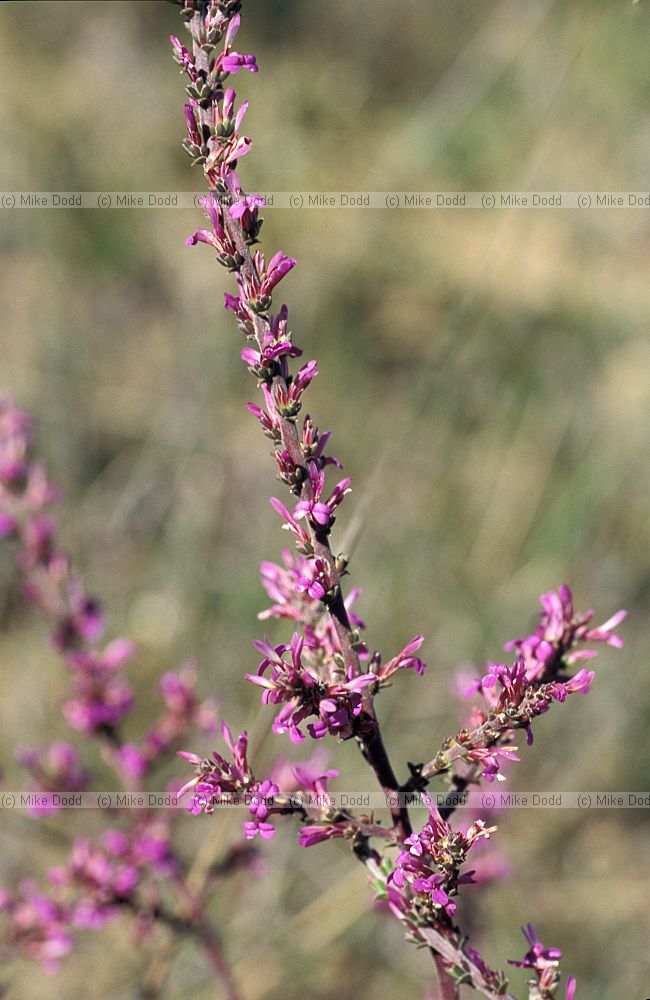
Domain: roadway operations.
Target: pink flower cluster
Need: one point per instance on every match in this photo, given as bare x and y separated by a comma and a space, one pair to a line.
432, 863
553, 644
125, 872
515, 695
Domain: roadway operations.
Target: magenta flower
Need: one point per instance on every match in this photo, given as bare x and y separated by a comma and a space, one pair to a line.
218, 237
537, 957
319, 512
287, 396
218, 775
232, 62
580, 683
275, 345
269, 419
195, 138
244, 208
246, 205
310, 780
403, 661
310, 835
235, 61
261, 804
265, 830
183, 57
489, 759
291, 524
314, 444
279, 265
314, 580
544, 962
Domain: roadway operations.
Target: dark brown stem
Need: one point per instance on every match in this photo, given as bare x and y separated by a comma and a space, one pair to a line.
372, 747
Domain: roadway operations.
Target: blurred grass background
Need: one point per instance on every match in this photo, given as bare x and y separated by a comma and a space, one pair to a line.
486, 376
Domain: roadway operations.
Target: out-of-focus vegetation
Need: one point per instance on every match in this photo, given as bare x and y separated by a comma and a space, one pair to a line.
486, 376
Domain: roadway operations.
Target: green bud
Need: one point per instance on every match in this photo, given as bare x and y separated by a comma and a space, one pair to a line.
341, 562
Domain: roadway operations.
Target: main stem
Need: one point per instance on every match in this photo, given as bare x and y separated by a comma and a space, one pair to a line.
369, 737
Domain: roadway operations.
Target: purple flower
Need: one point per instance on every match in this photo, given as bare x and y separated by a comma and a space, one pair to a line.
183, 57
216, 776
310, 835
313, 445
268, 418
321, 512
310, 780
314, 580
218, 236
235, 61
246, 204
544, 962
275, 345
189, 110
291, 524
403, 661
488, 758
279, 265
537, 956
580, 683
265, 830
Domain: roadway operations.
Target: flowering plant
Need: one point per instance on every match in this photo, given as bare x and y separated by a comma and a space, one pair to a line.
324, 680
